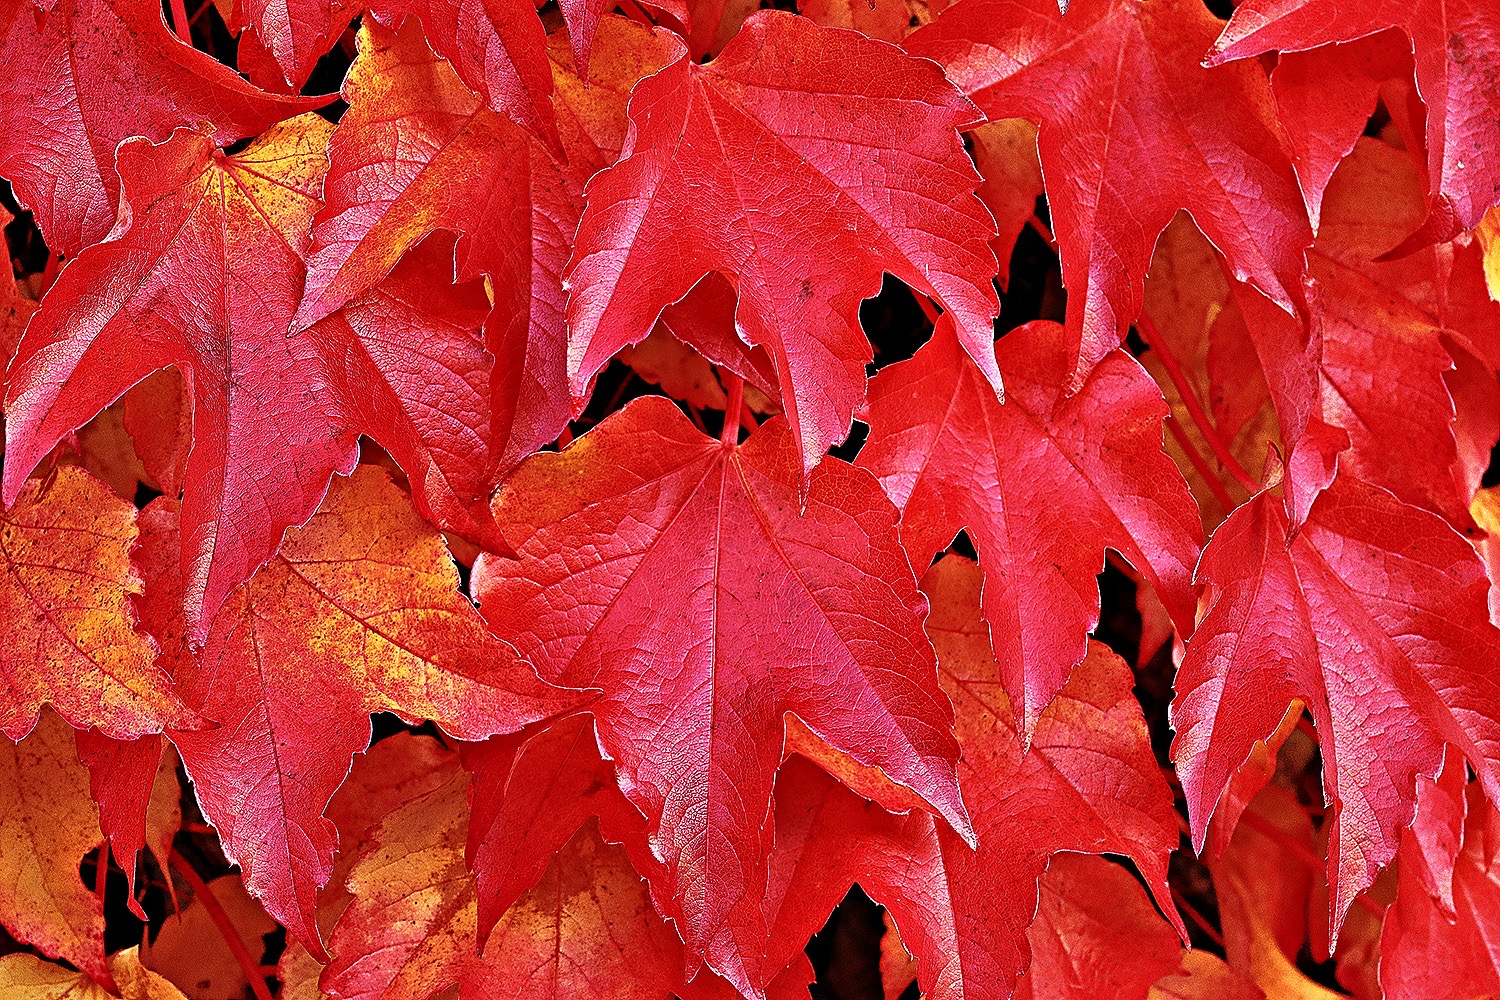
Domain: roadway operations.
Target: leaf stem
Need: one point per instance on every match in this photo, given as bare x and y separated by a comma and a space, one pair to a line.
636, 14
735, 386
1154, 340
747, 418
1042, 229
201, 891
180, 23
1282, 839
101, 872
1201, 464
1197, 918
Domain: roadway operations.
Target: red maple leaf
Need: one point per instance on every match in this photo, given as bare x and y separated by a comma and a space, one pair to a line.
1042, 483
690, 548
1374, 617
854, 143
1457, 50
1132, 130
90, 73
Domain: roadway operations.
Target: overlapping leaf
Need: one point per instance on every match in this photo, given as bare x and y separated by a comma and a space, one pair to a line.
90, 73
771, 712
583, 928
1266, 889
1326, 97
1132, 129
191, 949
1088, 784
406, 362
1095, 934
359, 612
135, 784
203, 273
651, 559
1439, 934
1042, 483
854, 144
286, 38
47, 824
477, 174
1373, 323
26, 977
1373, 615
499, 50
65, 592
1456, 44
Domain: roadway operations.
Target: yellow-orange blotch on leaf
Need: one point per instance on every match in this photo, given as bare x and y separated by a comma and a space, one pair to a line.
65, 586
585, 930
26, 977
359, 612
47, 824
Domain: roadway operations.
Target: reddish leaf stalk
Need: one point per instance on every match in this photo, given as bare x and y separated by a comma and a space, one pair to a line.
101, 872
1153, 338
1197, 918
1287, 842
1201, 464
180, 23
736, 390
748, 419
1042, 229
636, 14
248, 965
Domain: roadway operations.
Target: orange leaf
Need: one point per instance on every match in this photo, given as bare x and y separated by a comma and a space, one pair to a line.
65, 586
26, 977
47, 824
190, 949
